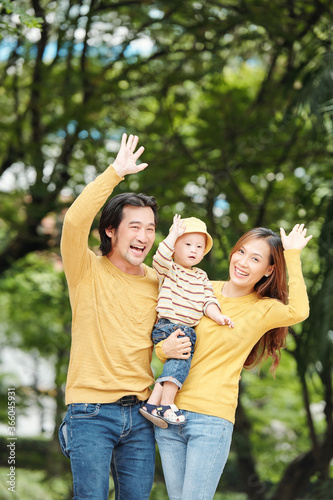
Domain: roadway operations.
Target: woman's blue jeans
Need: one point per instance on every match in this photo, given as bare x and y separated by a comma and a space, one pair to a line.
194, 455
97, 437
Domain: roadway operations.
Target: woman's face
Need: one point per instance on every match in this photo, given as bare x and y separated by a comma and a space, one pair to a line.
249, 264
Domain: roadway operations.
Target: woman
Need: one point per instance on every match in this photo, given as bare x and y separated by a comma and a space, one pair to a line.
255, 298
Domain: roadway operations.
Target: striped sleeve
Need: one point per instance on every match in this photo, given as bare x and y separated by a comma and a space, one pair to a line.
162, 260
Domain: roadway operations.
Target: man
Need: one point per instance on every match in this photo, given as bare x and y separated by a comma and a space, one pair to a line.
113, 300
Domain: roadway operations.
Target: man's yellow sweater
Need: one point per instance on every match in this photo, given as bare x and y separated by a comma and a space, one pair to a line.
220, 352
113, 312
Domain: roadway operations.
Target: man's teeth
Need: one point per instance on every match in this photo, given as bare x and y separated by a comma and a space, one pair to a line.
138, 248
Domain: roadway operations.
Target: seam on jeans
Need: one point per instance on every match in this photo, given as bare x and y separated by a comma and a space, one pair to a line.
86, 415
115, 472
123, 434
222, 438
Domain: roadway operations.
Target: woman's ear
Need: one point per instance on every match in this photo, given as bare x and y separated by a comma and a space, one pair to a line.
269, 271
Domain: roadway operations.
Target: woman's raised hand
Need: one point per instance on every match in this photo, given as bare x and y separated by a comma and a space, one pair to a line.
125, 162
296, 239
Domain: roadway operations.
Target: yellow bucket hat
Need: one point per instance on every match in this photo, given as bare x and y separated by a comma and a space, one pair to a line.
194, 225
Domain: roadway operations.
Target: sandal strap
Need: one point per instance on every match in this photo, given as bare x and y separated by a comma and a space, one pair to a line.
150, 407
160, 410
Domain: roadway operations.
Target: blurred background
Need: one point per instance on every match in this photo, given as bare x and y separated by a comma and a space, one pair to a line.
233, 101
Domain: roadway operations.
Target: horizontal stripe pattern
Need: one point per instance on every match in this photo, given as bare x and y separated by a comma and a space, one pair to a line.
184, 293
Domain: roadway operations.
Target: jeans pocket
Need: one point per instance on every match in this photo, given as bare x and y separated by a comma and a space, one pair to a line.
63, 438
84, 410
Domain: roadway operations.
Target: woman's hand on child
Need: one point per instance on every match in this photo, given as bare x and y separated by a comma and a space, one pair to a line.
296, 239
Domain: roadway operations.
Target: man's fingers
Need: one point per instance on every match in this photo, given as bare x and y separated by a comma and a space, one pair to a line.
139, 152
177, 332
134, 143
123, 140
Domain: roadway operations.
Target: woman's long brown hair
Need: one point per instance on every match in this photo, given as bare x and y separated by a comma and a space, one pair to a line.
273, 286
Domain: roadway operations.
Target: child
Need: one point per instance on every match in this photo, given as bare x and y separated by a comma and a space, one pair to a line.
185, 294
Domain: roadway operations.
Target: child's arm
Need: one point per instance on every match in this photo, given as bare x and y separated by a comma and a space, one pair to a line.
214, 313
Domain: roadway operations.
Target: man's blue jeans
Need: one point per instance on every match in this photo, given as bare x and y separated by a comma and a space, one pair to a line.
194, 455
174, 370
98, 436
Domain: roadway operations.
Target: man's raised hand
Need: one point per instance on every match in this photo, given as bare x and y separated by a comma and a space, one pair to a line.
125, 162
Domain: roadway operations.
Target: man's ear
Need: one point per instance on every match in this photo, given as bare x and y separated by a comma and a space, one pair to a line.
109, 231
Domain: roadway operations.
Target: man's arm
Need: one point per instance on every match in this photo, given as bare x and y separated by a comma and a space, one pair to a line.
80, 215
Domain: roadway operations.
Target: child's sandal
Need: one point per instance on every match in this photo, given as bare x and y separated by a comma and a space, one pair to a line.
147, 409
175, 417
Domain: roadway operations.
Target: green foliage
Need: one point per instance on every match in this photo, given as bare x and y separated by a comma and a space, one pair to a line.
34, 485
13, 27
36, 284
233, 103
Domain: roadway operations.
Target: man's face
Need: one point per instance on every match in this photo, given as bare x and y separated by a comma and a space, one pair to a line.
133, 239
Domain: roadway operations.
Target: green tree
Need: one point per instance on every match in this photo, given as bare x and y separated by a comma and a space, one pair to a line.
233, 103
36, 318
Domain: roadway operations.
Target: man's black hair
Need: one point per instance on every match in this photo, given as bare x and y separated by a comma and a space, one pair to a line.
112, 214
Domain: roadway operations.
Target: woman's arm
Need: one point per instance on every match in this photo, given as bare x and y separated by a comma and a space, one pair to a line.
297, 308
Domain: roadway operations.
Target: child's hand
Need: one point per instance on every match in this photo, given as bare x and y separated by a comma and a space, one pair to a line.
178, 227
224, 320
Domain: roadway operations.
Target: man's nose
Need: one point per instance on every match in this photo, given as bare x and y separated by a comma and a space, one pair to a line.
142, 235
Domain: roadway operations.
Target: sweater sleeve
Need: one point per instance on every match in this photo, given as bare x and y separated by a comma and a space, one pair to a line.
297, 308
159, 352
162, 260
209, 295
78, 221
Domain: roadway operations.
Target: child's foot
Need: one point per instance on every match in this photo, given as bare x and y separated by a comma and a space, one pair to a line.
170, 414
150, 413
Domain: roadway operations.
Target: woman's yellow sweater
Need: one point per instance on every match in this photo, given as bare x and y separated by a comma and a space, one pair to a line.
220, 352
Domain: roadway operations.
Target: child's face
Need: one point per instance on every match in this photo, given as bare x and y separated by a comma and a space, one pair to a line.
189, 249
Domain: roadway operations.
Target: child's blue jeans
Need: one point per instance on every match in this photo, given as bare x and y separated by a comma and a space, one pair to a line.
174, 370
